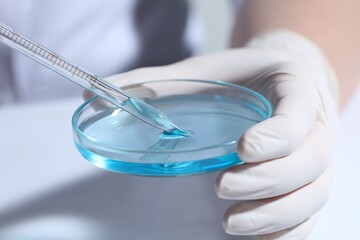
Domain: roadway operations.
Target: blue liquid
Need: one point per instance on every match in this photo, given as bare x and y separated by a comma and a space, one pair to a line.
175, 134
152, 116
128, 145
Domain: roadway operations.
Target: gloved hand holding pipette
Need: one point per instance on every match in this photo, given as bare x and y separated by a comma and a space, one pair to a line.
296, 141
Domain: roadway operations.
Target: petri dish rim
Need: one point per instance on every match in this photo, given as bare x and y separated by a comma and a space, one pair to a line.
268, 110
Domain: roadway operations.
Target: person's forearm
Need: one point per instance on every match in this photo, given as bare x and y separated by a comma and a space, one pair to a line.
332, 25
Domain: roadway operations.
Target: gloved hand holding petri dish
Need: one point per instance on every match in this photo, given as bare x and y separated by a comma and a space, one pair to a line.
286, 178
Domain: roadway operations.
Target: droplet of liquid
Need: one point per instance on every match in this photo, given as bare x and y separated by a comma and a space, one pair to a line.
175, 134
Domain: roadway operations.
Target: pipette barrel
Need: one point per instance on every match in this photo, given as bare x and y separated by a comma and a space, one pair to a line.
87, 80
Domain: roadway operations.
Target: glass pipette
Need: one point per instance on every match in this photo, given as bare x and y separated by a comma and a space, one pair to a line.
88, 80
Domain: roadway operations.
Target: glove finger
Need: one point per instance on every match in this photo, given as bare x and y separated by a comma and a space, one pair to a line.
300, 231
276, 177
136, 90
292, 121
271, 215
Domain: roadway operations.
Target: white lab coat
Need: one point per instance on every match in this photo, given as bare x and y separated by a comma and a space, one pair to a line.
99, 35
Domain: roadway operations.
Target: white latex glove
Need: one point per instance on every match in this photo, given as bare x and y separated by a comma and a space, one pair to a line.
287, 176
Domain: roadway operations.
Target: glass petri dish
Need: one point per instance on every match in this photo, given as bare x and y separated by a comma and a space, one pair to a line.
215, 113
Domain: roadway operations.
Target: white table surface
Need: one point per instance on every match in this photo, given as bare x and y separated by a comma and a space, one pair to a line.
48, 191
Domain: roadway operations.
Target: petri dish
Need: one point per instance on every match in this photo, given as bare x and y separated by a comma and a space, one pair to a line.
215, 113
